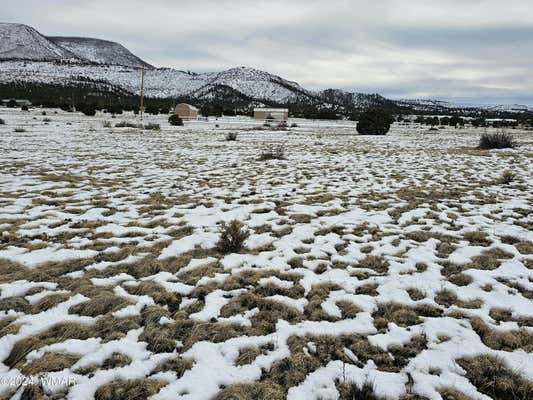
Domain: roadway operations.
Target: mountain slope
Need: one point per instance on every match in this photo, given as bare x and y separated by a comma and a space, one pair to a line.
99, 51
22, 42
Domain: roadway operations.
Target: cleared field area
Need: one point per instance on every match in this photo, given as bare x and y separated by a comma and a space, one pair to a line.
387, 267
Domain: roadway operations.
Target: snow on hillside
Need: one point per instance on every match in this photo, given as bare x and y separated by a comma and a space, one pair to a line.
100, 51
160, 83
18, 41
513, 108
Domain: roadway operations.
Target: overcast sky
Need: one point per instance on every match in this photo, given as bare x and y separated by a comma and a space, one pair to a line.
463, 50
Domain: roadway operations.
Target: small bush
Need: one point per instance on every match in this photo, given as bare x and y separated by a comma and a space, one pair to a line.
126, 124
175, 120
231, 137
152, 127
374, 121
24, 108
2, 122
47, 120
273, 152
294, 125
500, 140
506, 178
232, 237
19, 130
89, 111
107, 124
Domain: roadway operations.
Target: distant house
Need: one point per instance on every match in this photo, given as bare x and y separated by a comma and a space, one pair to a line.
276, 114
186, 111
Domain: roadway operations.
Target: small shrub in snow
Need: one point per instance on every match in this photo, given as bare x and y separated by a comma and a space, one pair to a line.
107, 124
294, 125
2, 122
152, 127
232, 237
47, 120
231, 137
19, 130
507, 178
24, 108
374, 121
273, 152
126, 124
500, 140
175, 120
90, 111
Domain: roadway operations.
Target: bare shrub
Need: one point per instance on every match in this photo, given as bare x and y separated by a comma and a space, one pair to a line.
506, 178
152, 127
126, 124
231, 136
232, 237
272, 152
499, 140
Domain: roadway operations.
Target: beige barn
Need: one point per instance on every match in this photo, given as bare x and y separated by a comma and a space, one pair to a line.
277, 114
186, 111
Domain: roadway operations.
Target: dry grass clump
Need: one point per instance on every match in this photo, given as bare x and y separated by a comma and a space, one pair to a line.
192, 277
376, 263
501, 314
400, 314
452, 394
178, 365
56, 334
50, 301
15, 303
403, 354
247, 355
291, 371
252, 391
103, 303
460, 279
525, 247
416, 294
116, 360
50, 362
135, 389
369, 289
446, 298
190, 332
316, 296
348, 309
270, 312
232, 237
492, 377
158, 293
159, 338
503, 340
350, 391
477, 238
112, 328
147, 266
272, 152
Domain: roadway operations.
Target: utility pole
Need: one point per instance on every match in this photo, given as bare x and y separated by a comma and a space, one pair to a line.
142, 93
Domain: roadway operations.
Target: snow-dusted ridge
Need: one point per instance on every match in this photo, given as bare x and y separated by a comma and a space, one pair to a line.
27, 56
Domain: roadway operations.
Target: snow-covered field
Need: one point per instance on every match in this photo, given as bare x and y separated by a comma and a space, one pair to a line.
398, 265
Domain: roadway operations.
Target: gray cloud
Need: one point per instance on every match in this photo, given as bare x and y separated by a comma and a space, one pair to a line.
470, 51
